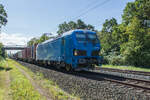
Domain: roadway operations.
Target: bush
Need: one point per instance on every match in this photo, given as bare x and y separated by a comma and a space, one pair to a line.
142, 59
113, 59
116, 61
105, 60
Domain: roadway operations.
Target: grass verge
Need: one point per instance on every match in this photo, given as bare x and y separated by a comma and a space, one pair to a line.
2, 78
50, 86
4, 89
127, 68
21, 88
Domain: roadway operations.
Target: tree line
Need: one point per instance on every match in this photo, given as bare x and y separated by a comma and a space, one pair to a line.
64, 27
127, 43
3, 22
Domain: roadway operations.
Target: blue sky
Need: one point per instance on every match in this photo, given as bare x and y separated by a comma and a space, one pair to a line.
31, 18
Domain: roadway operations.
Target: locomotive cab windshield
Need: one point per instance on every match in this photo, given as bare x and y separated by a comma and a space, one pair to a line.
86, 37
81, 38
92, 38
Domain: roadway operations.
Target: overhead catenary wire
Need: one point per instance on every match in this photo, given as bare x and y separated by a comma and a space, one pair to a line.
88, 9
91, 9
89, 5
85, 8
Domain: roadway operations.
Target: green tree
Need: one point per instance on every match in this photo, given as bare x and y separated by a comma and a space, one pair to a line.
64, 27
131, 38
90, 27
139, 9
109, 25
72, 25
3, 16
81, 24
3, 21
109, 35
43, 38
3, 54
33, 41
136, 50
1, 46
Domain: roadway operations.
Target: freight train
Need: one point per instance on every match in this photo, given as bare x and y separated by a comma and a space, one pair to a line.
74, 50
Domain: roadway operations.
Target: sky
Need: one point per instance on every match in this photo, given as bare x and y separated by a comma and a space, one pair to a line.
32, 18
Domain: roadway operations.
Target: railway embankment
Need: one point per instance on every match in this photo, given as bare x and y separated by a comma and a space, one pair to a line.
90, 87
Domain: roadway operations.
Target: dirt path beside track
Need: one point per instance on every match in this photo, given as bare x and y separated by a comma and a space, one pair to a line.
7, 83
37, 87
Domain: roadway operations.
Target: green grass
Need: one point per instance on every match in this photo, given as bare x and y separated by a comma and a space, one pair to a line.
52, 87
21, 88
127, 68
4, 86
2, 80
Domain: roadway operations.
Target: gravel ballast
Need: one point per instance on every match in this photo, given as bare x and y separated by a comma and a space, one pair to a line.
89, 89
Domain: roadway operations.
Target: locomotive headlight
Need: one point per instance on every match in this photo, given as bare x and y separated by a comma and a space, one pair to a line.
75, 52
79, 52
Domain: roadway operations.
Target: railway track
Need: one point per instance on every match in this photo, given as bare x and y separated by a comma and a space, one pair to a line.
125, 71
88, 84
144, 85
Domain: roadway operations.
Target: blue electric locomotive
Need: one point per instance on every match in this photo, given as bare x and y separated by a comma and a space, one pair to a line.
76, 49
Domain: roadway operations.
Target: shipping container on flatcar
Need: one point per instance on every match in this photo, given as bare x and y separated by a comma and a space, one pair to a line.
33, 53
24, 54
19, 55
16, 56
28, 53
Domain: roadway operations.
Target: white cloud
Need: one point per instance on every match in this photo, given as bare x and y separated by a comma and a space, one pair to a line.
14, 39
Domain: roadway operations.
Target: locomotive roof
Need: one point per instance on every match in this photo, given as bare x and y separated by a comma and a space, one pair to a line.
66, 34
77, 30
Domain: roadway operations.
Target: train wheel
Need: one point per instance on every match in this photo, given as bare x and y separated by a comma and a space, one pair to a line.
58, 66
68, 68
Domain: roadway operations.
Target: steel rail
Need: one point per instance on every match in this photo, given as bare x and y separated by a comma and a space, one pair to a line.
125, 71
127, 81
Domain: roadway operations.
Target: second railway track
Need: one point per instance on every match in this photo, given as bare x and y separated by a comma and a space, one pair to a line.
144, 85
125, 71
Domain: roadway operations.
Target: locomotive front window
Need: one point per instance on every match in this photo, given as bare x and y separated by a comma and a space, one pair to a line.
89, 37
80, 37
93, 38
